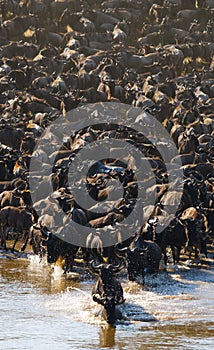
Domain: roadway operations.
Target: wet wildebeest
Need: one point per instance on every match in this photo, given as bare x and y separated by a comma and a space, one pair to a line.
38, 239
60, 251
197, 229
142, 257
174, 235
108, 291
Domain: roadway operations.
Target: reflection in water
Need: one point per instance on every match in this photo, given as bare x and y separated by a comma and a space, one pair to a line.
107, 336
40, 305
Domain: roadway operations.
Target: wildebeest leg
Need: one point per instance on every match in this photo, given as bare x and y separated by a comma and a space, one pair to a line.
143, 277
204, 247
69, 260
193, 249
6, 234
163, 249
196, 252
26, 237
68, 264
175, 254
163, 244
178, 253
15, 241
3, 237
190, 249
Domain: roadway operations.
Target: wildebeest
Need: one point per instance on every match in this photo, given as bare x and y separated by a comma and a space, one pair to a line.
60, 251
11, 137
197, 226
19, 219
174, 235
11, 198
108, 291
142, 257
38, 240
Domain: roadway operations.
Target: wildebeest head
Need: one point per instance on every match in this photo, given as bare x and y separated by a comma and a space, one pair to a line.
134, 259
106, 270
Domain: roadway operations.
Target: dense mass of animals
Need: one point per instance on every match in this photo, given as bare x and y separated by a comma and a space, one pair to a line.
155, 55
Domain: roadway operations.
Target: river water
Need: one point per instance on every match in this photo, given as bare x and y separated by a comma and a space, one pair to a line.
42, 309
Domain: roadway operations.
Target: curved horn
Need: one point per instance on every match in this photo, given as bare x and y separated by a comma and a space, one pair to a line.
118, 267
120, 251
142, 251
95, 268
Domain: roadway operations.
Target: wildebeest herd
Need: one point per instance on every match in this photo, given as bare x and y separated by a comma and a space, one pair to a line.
154, 55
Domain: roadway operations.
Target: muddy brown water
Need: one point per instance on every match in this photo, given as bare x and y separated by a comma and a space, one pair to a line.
42, 309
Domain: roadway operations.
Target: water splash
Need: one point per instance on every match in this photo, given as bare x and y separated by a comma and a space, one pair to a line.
57, 272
